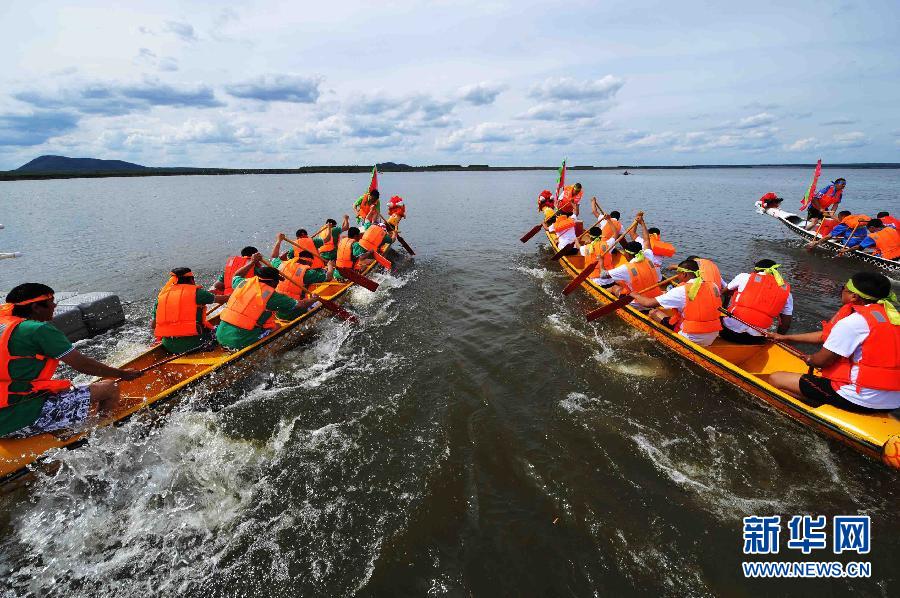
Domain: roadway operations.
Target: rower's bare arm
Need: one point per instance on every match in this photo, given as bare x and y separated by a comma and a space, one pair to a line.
243, 270
84, 364
276, 249
803, 337
822, 358
645, 301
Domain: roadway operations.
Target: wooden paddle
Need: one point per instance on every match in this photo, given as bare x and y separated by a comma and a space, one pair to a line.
403, 242
527, 236
623, 301
326, 303
585, 272
355, 277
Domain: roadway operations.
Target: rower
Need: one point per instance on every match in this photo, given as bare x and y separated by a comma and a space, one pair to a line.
31, 347
223, 285
888, 220
696, 301
305, 267
372, 240
654, 248
829, 197
252, 308
179, 314
709, 270
367, 207
757, 299
570, 200
309, 245
881, 240
860, 354
330, 236
348, 252
637, 274
592, 250
827, 225
851, 224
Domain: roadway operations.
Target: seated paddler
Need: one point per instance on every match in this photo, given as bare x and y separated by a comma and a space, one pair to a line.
179, 314
757, 300
32, 401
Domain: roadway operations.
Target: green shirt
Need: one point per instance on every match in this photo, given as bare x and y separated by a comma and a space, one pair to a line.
311, 276
29, 338
233, 337
336, 238
180, 344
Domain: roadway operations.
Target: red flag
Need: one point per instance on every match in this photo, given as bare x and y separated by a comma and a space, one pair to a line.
373, 184
811, 192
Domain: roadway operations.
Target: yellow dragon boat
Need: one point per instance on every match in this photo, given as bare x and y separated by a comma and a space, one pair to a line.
748, 367
157, 385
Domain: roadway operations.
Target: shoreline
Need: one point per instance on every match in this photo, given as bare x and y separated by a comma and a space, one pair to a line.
13, 175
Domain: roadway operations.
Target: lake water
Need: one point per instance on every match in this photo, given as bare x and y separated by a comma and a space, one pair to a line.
474, 436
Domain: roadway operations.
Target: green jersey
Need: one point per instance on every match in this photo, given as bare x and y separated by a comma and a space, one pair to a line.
180, 344
232, 337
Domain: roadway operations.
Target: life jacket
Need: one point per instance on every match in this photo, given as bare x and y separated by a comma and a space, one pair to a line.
328, 239
844, 311
709, 272
6, 309
309, 245
296, 270
246, 308
177, 312
661, 248
345, 257
594, 249
829, 197
567, 201
701, 314
612, 228
827, 226
43, 380
761, 300
887, 242
233, 264
563, 223
364, 212
372, 238
394, 219
890, 221
641, 275
879, 363
855, 220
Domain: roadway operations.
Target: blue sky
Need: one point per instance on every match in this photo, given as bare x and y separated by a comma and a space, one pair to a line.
282, 84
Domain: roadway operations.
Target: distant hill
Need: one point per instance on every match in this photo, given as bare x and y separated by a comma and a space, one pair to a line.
64, 164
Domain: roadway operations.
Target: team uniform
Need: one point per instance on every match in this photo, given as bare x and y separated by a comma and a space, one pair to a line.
698, 318
250, 313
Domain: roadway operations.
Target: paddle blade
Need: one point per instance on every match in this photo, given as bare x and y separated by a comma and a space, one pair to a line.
525, 238
608, 309
338, 310
560, 253
382, 260
406, 246
576, 282
354, 276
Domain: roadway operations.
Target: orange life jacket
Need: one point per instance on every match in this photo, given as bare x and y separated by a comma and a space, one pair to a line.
855, 220
372, 238
830, 198
177, 312
594, 250
6, 309
827, 226
709, 271
661, 248
345, 257
887, 243
365, 212
879, 363
612, 228
641, 275
701, 314
328, 239
246, 307
567, 201
233, 264
296, 270
563, 223
43, 380
761, 300
309, 245
890, 221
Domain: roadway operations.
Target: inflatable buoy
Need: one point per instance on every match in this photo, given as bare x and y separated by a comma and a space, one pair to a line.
890, 454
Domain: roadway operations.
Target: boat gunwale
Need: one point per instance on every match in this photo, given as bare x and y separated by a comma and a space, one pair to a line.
726, 370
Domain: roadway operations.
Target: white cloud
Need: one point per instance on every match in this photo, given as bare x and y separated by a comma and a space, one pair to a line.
183, 31
757, 120
854, 139
801, 145
567, 88
480, 94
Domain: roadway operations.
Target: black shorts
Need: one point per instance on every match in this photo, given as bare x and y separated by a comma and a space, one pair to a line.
817, 391
741, 338
813, 213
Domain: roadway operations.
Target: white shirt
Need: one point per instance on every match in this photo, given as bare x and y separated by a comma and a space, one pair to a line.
657, 261
676, 298
739, 282
566, 238
846, 340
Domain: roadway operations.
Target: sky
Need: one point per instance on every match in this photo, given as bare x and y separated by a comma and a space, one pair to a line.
260, 84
